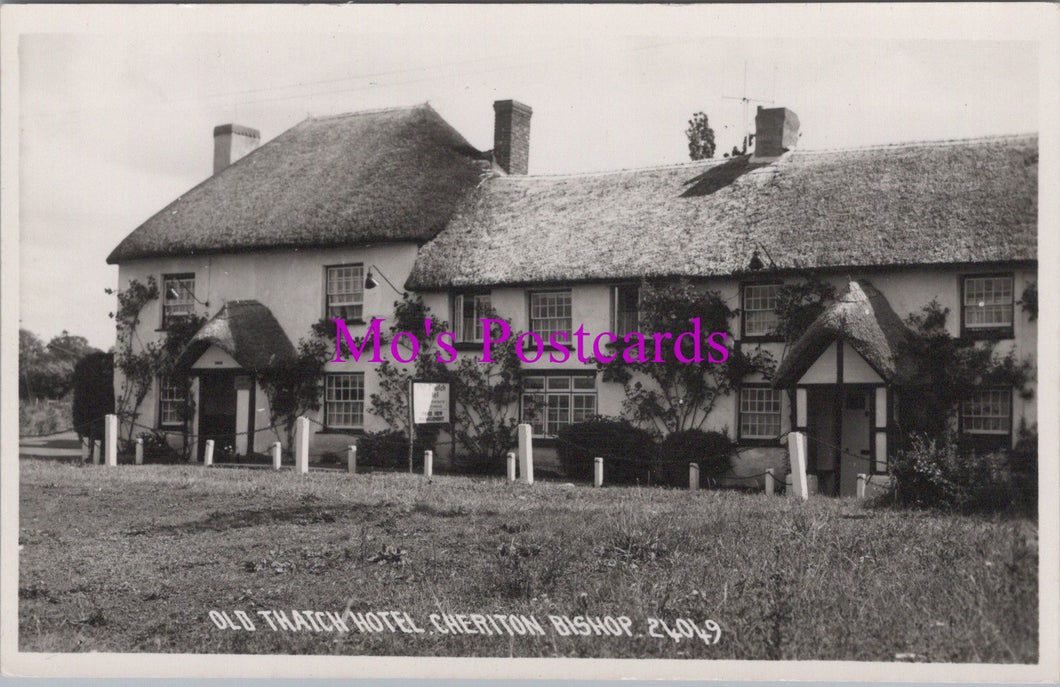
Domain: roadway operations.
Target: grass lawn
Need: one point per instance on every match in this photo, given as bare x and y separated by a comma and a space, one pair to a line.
135, 558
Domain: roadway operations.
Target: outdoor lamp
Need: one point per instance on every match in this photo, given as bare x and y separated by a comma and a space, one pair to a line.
173, 294
371, 283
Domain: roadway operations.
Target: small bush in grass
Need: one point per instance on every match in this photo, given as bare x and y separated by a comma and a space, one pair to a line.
712, 451
390, 449
934, 473
627, 450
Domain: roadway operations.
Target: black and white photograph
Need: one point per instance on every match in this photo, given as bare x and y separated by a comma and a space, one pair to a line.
507, 341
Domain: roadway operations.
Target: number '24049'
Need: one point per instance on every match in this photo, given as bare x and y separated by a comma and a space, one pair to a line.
682, 629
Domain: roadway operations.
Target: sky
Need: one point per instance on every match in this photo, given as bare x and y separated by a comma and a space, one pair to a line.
115, 125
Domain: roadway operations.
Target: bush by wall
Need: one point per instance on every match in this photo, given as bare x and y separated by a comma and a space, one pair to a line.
390, 449
712, 451
934, 473
93, 383
627, 451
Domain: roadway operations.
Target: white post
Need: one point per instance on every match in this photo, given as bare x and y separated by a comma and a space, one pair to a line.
351, 459
511, 466
97, 451
526, 453
86, 448
861, 486
207, 458
598, 472
771, 487
428, 464
110, 434
277, 453
301, 446
140, 451
693, 476
797, 457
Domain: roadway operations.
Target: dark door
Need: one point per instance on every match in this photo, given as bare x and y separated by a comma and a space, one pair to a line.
217, 411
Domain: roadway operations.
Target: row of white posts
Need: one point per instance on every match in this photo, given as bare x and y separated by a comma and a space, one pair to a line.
524, 462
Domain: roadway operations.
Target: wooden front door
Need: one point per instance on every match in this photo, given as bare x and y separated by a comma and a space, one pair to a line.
855, 438
217, 411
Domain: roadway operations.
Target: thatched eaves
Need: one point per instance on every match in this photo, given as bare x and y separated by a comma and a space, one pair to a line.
863, 319
369, 177
926, 203
245, 330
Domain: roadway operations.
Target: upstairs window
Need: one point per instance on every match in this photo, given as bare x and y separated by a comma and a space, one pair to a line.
759, 309
468, 309
345, 293
760, 409
178, 298
987, 304
625, 309
550, 312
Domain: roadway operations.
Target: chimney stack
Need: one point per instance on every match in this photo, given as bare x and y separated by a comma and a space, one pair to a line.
511, 136
231, 142
776, 131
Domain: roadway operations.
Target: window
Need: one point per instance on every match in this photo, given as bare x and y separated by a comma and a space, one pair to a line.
345, 293
625, 309
550, 313
987, 412
172, 400
468, 309
759, 413
344, 400
759, 309
178, 297
554, 401
987, 302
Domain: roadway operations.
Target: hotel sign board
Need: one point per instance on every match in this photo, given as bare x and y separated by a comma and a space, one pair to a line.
431, 403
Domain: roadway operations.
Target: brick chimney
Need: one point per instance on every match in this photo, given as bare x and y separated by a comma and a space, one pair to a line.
776, 131
511, 136
231, 142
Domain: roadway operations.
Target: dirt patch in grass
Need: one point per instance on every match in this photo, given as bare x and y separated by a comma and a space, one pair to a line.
136, 558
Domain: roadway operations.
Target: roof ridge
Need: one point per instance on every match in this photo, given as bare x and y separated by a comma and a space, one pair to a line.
916, 144
379, 110
622, 170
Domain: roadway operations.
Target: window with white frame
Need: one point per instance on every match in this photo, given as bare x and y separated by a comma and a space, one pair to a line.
345, 293
468, 309
178, 297
987, 411
760, 409
759, 309
550, 312
553, 401
344, 400
172, 400
988, 302
625, 309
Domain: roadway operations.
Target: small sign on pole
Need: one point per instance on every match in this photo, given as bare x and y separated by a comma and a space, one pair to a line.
430, 403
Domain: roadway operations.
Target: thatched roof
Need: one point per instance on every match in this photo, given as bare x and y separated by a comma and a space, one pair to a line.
944, 202
245, 330
861, 317
382, 176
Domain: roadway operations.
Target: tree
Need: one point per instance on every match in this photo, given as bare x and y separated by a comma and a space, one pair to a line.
700, 137
675, 395
47, 371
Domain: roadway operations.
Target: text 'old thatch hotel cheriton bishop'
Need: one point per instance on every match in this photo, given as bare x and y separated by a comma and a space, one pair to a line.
285, 233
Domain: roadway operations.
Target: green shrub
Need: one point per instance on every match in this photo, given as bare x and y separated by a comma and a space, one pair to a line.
627, 451
390, 449
712, 451
936, 474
